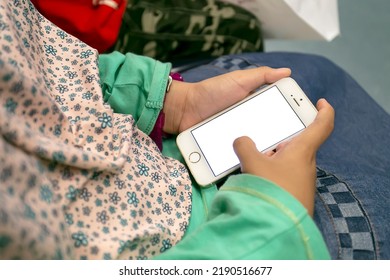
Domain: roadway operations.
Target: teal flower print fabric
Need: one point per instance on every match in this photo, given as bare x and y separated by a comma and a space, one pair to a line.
76, 179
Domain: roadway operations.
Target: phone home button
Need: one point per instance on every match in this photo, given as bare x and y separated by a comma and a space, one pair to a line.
194, 157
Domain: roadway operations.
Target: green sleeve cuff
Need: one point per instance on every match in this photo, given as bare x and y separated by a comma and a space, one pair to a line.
134, 85
252, 218
265, 190
290, 213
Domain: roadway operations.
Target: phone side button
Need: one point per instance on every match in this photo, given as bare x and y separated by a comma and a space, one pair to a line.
194, 157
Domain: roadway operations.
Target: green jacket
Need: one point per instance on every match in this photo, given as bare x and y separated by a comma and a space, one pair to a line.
248, 217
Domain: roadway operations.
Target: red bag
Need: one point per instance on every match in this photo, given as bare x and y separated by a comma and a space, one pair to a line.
95, 22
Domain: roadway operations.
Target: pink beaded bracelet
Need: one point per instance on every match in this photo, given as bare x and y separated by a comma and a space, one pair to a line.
157, 133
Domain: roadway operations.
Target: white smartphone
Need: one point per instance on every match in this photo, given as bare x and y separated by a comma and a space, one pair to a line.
269, 116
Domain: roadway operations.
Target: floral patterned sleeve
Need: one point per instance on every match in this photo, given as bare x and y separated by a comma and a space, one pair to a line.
78, 180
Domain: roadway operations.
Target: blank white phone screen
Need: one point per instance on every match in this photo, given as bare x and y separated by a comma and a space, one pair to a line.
266, 118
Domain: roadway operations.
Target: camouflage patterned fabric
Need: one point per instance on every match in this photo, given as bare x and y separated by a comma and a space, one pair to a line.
177, 30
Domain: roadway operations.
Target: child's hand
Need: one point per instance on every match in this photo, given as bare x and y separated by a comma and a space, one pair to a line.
187, 104
293, 165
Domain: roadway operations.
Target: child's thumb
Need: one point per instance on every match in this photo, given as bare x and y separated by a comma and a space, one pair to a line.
246, 152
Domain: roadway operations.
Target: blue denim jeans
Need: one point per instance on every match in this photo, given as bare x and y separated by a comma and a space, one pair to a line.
353, 173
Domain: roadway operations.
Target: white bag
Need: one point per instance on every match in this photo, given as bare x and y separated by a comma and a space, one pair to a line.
295, 19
